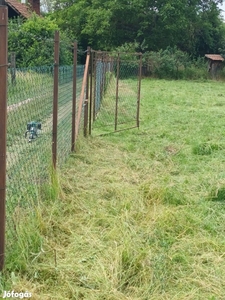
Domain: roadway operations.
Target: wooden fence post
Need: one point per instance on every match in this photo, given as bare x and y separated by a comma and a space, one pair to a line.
82, 95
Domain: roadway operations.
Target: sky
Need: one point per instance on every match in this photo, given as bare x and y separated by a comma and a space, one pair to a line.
223, 7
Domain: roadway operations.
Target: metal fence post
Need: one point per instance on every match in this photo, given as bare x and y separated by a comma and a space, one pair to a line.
117, 90
91, 93
55, 100
139, 90
74, 103
3, 120
13, 67
95, 84
87, 96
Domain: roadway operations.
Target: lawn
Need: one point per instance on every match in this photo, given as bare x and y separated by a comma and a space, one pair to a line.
140, 213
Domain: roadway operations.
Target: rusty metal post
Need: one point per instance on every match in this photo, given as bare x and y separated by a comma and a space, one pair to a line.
91, 93
104, 71
101, 78
139, 90
3, 120
74, 101
95, 83
86, 97
55, 100
117, 90
13, 67
85, 117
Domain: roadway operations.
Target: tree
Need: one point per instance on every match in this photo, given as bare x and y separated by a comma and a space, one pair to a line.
33, 42
194, 26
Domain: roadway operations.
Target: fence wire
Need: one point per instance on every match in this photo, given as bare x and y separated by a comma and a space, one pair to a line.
116, 92
108, 98
29, 148
65, 109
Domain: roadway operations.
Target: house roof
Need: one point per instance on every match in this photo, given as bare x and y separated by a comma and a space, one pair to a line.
21, 9
214, 57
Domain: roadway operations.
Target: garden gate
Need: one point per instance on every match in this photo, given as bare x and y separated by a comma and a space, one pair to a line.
115, 84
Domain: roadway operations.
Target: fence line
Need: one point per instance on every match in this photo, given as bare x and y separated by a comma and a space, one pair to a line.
115, 94
44, 99
3, 114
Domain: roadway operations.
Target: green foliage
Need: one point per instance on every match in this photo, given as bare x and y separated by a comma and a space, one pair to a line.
193, 26
173, 63
33, 42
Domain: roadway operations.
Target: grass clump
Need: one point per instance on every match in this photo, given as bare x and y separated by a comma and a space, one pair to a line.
218, 194
205, 148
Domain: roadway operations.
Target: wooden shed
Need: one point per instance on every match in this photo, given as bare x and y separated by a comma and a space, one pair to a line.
215, 63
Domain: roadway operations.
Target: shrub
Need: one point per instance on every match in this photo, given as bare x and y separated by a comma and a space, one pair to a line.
33, 42
173, 63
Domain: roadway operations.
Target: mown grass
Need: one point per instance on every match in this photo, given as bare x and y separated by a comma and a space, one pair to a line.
119, 116
139, 214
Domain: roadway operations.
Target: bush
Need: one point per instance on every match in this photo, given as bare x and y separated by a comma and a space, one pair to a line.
174, 64
33, 42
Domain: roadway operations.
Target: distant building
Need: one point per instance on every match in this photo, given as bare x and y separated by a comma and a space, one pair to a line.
21, 9
215, 63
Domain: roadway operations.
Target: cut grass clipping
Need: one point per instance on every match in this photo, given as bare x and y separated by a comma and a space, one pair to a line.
139, 214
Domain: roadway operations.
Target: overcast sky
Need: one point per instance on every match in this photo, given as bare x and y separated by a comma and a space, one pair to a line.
223, 7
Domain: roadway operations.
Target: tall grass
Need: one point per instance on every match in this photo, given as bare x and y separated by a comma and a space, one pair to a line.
138, 214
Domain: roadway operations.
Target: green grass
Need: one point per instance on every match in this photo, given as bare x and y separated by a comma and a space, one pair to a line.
139, 214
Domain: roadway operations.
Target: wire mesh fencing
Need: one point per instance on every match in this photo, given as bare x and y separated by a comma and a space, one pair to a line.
30, 115
115, 91
30, 101
65, 109
47, 109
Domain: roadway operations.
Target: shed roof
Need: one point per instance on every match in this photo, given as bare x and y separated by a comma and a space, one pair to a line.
216, 57
21, 9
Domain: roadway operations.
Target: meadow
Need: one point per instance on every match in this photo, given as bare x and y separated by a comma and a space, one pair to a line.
138, 214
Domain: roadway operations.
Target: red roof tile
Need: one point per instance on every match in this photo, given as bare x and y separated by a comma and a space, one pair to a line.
214, 57
21, 9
